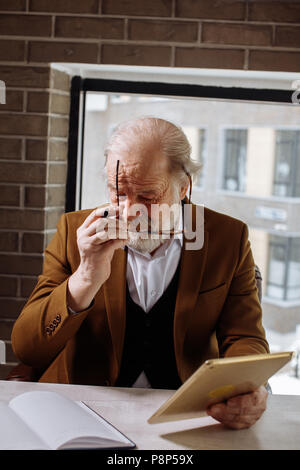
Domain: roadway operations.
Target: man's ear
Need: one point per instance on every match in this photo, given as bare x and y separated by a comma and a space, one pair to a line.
183, 190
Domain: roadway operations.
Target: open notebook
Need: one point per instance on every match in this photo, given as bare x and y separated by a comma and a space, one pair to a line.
47, 420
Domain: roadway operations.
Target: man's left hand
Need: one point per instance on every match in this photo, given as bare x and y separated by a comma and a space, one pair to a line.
241, 411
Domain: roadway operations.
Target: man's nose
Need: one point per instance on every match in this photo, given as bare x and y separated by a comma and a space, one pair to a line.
125, 206
130, 209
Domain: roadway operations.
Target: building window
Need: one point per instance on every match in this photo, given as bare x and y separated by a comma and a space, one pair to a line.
235, 159
283, 278
287, 165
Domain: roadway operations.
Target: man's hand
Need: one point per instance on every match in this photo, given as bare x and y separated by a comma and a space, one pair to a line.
96, 250
242, 411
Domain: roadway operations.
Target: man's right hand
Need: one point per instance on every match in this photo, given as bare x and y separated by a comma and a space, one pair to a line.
96, 251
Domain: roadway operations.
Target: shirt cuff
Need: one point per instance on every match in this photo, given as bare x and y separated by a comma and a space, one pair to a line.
72, 312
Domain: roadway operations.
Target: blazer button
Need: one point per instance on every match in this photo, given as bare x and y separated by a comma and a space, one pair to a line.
48, 331
52, 327
54, 322
58, 318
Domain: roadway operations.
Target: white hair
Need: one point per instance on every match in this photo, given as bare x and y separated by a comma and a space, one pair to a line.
169, 138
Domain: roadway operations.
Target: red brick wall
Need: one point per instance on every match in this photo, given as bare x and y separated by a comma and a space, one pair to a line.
237, 34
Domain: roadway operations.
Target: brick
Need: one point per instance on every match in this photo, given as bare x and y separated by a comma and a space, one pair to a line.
8, 287
9, 195
25, 76
14, 101
6, 327
57, 173
36, 149
59, 127
56, 196
33, 242
11, 149
50, 51
157, 30
25, 25
136, 55
27, 286
20, 264
34, 196
287, 36
67, 6
211, 9
9, 241
141, 8
274, 61
49, 235
283, 12
12, 50
58, 150
59, 80
210, 58
11, 308
52, 217
78, 27
59, 104
252, 35
12, 5
20, 219
23, 172
38, 101
24, 124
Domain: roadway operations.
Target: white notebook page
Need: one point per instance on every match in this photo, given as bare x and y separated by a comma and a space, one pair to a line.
58, 420
15, 434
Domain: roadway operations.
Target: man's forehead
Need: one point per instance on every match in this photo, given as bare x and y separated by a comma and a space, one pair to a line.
149, 159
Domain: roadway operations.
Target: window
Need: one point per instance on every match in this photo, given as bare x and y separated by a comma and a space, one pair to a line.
287, 165
283, 278
235, 159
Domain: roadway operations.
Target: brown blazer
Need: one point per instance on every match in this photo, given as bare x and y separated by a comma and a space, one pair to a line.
217, 311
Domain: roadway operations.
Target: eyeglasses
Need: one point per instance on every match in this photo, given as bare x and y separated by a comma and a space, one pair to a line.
160, 232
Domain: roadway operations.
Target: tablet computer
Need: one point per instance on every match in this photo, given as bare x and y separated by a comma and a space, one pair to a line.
217, 380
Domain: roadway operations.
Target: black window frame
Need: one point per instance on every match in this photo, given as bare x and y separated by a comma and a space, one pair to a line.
80, 86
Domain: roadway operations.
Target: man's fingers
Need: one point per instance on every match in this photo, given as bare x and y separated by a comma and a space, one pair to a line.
242, 411
107, 211
98, 213
103, 239
90, 218
257, 398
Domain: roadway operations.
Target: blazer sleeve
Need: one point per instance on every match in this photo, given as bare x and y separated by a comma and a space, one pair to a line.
240, 330
45, 323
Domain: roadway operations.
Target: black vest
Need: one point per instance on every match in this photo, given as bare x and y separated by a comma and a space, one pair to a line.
149, 343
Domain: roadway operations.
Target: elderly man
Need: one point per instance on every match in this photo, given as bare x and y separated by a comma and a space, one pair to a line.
144, 312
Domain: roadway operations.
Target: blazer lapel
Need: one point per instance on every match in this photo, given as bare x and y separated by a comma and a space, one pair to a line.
115, 300
190, 279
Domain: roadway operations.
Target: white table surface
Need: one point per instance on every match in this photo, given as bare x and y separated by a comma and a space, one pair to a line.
128, 410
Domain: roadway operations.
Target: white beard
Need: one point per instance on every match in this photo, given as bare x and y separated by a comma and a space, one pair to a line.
150, 244
144, 246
